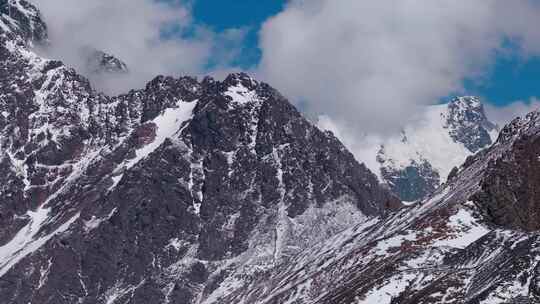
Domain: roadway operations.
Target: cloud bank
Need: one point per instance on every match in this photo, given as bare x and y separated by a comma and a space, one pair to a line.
504, 114
151, 37
371, 65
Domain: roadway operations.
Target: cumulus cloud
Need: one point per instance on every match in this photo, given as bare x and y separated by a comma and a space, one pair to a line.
151, 37
371, 65
504, 114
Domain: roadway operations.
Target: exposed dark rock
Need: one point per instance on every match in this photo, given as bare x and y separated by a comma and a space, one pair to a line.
510, 192
29, 23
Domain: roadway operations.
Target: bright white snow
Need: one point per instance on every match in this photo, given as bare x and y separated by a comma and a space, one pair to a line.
27, 240
464, 230
167, 124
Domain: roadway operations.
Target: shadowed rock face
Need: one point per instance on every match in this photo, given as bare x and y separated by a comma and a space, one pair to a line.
162, 195
510, 192
475, 240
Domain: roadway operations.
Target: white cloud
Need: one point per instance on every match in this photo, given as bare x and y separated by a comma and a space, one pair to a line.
504, 114
370, 65
152, 37
373, 64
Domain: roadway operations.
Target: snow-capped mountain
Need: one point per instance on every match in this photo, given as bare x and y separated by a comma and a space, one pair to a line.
169, 194
415, 163
213, 192
99, 62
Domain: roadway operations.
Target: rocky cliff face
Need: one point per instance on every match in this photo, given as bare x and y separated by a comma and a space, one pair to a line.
509, 195
169, 194
420, 159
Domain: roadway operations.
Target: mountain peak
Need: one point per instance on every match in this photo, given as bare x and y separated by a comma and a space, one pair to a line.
467, 123
98, 62
22, 21
414, 169
241, 78
466, 102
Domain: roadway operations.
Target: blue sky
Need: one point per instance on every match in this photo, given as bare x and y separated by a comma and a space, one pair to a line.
510, 79
247, 14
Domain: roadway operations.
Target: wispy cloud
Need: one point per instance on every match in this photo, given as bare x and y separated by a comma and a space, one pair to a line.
504, 114
152, 37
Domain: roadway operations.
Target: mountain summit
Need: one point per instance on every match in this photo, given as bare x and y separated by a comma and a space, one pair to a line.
420, 159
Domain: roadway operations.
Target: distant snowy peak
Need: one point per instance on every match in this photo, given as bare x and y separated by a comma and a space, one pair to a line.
417, 161
99, 62
467, 123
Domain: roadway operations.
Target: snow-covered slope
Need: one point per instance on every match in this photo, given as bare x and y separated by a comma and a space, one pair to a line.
415, 163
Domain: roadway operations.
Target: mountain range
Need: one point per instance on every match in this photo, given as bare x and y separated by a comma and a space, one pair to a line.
205, 191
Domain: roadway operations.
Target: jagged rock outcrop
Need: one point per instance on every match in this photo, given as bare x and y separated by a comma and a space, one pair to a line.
415, 181
509, 195
20, 20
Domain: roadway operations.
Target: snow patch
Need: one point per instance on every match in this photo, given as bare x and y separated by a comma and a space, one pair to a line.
386, 293
428, 140
120, 290
240, 94
28, 240
396, 241
464, 230
94, 222
167, 124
